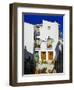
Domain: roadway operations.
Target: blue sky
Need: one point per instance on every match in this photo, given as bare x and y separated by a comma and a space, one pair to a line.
37, 19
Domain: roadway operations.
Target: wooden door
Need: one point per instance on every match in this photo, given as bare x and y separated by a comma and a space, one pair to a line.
43, 55
50, 55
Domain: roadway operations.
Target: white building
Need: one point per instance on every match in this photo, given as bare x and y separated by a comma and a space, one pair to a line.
46, 29
29, 36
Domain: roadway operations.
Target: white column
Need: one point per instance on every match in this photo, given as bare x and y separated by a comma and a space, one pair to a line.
39, 55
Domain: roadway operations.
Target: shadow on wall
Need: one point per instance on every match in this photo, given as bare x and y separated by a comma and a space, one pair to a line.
29, 62
59, 58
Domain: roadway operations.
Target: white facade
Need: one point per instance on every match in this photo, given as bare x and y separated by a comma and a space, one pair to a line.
53, 32
29, 37
47, 29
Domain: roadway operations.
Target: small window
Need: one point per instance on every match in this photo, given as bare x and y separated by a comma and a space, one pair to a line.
50, 55
49, 42
36, 56
37, 43
49, 27
43, 56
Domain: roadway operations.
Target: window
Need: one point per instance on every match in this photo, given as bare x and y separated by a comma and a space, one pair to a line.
49, 42
36, 56
37, 43
50, 55
43, 56
49, 27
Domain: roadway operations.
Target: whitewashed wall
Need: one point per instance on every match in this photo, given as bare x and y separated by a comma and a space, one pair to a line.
29, 36
53, 32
